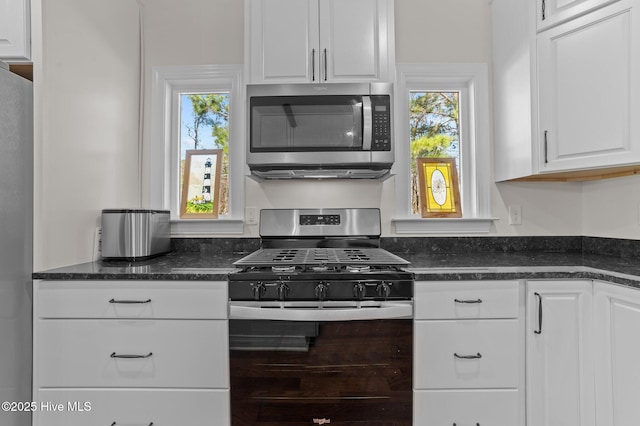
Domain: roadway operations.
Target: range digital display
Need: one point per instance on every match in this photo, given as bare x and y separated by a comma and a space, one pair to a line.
317, 219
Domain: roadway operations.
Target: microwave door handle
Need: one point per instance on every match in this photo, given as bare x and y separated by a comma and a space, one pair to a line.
367, 124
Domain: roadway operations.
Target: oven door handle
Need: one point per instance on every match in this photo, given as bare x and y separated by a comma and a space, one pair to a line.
321, 311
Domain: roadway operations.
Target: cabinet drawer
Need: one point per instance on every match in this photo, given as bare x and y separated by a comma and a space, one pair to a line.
466, 299
466, 354
131, 299
466, 408
184, 353
137, 407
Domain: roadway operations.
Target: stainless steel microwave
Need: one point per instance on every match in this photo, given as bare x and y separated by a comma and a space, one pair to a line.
340, 130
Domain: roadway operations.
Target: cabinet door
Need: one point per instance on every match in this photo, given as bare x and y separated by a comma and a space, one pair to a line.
589, 91
353, 39
559, 354
617, 348
283, 41
15, 31
552, 12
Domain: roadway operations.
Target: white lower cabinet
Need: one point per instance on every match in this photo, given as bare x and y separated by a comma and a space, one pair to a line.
132, 407
468, 353
495, 407
143, 353
130, 353
560, 354
617, 372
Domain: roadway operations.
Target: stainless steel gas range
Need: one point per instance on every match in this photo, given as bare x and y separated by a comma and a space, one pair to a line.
321, 326
325, 259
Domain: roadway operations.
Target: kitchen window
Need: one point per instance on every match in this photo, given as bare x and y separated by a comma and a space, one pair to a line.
197, 117
443, 111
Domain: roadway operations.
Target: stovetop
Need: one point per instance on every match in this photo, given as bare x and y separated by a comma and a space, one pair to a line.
316, 259
326, 254
321, 274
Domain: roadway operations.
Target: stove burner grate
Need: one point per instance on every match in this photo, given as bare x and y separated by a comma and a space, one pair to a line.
321, 257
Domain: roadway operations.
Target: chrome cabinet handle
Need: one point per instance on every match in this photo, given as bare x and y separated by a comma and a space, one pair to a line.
129, 301
544, 12
477, 424
476, 356
313, 64
467, 301
115, 355
539, 330
150, 424
325, 64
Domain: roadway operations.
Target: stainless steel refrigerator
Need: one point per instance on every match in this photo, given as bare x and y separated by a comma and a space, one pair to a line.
16, 213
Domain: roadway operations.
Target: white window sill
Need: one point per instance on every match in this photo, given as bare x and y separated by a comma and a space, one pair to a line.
443, 226
204, 227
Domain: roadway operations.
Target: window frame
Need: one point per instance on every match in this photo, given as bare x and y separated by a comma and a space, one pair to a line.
164, 189
475, 168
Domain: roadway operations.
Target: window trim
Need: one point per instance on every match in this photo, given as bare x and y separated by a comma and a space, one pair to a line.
472, 79
168, 82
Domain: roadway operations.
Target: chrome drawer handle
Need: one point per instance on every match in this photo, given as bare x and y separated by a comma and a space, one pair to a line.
468, 301
115, 355
455, 424
150, 424
129, 301
476, 356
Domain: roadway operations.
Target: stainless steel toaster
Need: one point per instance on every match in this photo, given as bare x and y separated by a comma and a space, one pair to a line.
135, 234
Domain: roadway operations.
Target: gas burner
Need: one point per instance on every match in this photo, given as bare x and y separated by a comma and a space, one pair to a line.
357, 268
320, 268
283, 269
285, 256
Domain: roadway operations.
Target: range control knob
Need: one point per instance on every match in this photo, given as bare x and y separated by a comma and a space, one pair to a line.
259, 289
283, 291
321, 291
383, 290
359, 291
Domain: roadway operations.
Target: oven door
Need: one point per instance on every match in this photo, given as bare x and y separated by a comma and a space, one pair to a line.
332, 363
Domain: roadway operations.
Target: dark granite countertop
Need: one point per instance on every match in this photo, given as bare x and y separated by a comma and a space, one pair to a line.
431, 260
524, 265
175, 266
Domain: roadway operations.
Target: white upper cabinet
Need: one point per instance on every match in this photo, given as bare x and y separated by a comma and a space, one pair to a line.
565, 96
589, 90
514, 88
15, 39
552, 12
319, 41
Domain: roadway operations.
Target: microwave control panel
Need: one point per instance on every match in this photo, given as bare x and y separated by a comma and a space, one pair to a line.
381, 133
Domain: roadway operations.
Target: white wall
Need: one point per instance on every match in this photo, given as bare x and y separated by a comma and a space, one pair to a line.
611, 208
86, 89
86, 83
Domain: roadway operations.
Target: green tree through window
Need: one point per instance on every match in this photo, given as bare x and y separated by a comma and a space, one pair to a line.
434, 131
205, 125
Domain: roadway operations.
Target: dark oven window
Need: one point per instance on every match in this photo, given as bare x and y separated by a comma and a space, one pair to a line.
299, 373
